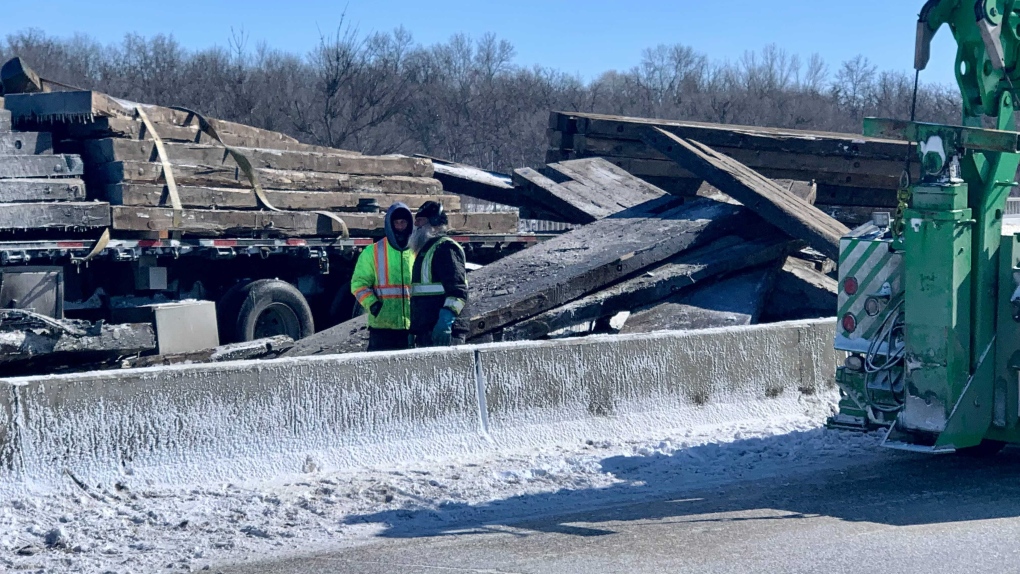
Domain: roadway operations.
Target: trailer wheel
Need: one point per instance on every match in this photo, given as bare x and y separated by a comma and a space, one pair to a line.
266, 308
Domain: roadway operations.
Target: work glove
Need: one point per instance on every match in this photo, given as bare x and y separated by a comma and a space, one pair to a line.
442, 333
375, 308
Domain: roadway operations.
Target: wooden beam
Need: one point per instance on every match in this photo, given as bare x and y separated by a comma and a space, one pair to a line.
25, 143
801, 292
737, 300
258, 349
133, 129
225, 176
723, 256
568, 205
111, 150
21, 166
475, 182
54, 215
41, 190
235, 198
793, 215
590, 258
288, 223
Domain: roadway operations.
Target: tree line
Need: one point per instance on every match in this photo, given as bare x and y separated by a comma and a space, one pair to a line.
466, 99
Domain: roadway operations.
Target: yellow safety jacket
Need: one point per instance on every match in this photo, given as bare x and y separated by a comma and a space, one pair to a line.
384, 274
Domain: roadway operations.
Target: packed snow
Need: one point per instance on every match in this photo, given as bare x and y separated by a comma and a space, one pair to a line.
129, 527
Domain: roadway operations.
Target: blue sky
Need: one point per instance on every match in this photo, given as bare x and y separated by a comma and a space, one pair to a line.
575, 37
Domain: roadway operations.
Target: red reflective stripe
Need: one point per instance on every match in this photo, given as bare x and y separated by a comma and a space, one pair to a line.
362, 293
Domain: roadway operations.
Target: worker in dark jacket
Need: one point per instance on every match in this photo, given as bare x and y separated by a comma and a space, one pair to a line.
382, 283
438, 280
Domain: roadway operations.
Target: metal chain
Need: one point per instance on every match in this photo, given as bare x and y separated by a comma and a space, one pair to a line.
903, 193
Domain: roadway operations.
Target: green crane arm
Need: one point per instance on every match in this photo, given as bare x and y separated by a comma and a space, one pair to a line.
987, 34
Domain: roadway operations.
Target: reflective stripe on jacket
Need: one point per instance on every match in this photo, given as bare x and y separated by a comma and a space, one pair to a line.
439, 280
384, 274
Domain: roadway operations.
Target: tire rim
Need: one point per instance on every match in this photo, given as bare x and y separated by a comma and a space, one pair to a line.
277, 319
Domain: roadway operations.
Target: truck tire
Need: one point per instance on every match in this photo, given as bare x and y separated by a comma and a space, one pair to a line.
266, 308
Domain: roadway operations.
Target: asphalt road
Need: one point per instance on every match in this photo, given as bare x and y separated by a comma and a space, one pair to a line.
905, 513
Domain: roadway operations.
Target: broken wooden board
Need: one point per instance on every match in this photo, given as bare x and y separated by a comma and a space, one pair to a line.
28, 337
793, 215
737, 300
592, 257
582, 191
84, 106
211, 223
723, 256
801, 292
112, 150
42, 189
22, 166
475, 182
267, 348
853, 215
25, 143
235, 198
347, 337
58, 214
225, 176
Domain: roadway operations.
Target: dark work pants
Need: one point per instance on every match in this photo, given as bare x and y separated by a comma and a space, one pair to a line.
387, 339
425, 340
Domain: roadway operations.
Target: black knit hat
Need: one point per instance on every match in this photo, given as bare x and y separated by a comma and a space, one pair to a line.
433, 210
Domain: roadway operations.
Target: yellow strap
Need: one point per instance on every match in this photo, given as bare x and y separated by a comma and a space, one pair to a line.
168, 174
98, 248
249, 171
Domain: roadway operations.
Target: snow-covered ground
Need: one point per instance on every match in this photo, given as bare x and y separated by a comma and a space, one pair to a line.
128, 527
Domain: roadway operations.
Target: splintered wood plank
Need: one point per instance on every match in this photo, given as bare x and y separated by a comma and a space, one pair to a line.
42, 189
592, 257
724, 255
225, 176
801, 292
737, 300
25, 143
793, 215
562, 203
621, 189
288, 223
236, 198
475, 182
111, 150
56, 345
22, 166
54, 215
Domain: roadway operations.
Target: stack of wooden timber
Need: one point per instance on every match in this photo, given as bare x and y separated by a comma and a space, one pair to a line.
40, 189
302, 183
665, 263
855, 175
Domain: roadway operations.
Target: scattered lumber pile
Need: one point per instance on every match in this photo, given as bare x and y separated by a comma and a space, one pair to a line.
854, 175
665, 263
40, 189
163, 170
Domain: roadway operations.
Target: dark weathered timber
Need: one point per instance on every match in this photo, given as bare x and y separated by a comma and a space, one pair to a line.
604, 177
267, 348
16, 77
134, 129
723, 256
839, 195
566, 204
652, 168
25, 143
21, 166
224, 176
347, 337
288, 223
236, 198
475, 182
737, 300
853, 215
41, 346
85, 106
753, 158
745, 137
589, 258
111, 149
793, 215
54, 215
801, 292
42, 189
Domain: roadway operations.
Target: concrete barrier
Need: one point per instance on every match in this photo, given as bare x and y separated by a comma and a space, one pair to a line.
234, 421
584, 388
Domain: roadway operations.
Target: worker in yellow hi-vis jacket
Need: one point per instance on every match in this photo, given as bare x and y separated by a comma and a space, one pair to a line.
382, 282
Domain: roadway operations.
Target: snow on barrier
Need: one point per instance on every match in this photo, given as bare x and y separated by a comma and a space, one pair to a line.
259, 419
